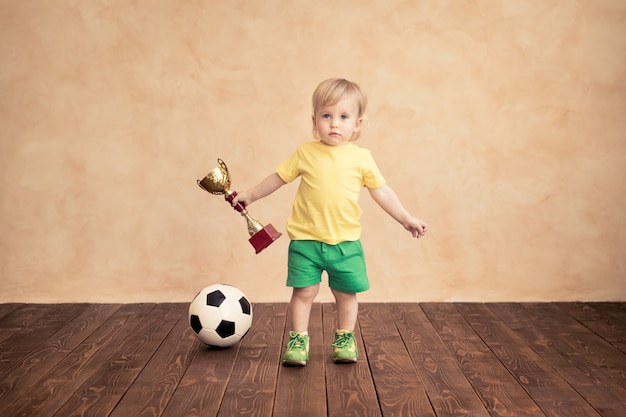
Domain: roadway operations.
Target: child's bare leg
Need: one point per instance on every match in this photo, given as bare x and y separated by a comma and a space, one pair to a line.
300, 305
347, 310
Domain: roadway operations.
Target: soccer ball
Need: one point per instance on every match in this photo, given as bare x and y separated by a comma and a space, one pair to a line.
220, 315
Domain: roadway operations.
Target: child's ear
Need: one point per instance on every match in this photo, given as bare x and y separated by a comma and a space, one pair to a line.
357, 125
314, 126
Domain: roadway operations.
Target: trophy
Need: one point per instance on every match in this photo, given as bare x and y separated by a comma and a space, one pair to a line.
218, 182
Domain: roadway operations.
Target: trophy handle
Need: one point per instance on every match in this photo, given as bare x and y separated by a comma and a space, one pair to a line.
223, 167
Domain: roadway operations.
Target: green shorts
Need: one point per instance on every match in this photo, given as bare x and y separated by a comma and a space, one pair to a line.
344, 263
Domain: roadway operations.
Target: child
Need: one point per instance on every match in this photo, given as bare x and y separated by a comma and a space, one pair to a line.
324, 227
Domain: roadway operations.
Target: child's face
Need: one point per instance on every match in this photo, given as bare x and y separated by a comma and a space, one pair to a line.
335, 124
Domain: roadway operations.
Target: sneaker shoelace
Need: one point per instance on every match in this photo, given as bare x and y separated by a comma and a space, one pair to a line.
343, 340
296, 342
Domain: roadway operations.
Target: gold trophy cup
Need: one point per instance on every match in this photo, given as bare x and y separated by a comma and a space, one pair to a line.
218, 182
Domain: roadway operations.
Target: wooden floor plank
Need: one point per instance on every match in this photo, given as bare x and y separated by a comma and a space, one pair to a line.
202, 388
8, 308
490, 379
607, 326
349, 387
25, 328
399, 387
252, 385
548, 389
301, 391
615, 310
426, 359
582, 341
99, 394
21, 317
55, 387
450, 393
24, 371
555, 345
152, 390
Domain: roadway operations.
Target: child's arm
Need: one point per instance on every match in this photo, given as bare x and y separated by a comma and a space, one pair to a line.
389, 201
266, 187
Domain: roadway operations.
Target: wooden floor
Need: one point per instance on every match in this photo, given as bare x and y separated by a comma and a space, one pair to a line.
429, 359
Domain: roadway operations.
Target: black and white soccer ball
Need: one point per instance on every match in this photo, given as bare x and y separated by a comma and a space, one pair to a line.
220, 315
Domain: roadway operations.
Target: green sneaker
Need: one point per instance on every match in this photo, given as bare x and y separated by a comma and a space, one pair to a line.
344, 348
297, 352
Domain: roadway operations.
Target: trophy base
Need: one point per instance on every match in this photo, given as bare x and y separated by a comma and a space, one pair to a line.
264, 237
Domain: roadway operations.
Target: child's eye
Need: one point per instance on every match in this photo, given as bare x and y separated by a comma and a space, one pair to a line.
325, 116
344, 117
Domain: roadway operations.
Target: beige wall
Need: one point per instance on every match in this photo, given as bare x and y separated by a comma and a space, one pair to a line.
501, 123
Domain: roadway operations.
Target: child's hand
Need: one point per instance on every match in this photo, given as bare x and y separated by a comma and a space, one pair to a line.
241, 197
417, 227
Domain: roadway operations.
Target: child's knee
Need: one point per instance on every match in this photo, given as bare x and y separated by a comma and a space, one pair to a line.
345, 297
306, 293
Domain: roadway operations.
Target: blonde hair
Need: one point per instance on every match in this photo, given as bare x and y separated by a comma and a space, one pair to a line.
333, 90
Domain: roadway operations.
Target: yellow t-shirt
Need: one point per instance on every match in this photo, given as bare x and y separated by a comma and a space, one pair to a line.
326, 206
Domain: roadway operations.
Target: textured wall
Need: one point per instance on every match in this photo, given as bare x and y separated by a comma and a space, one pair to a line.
500, 123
